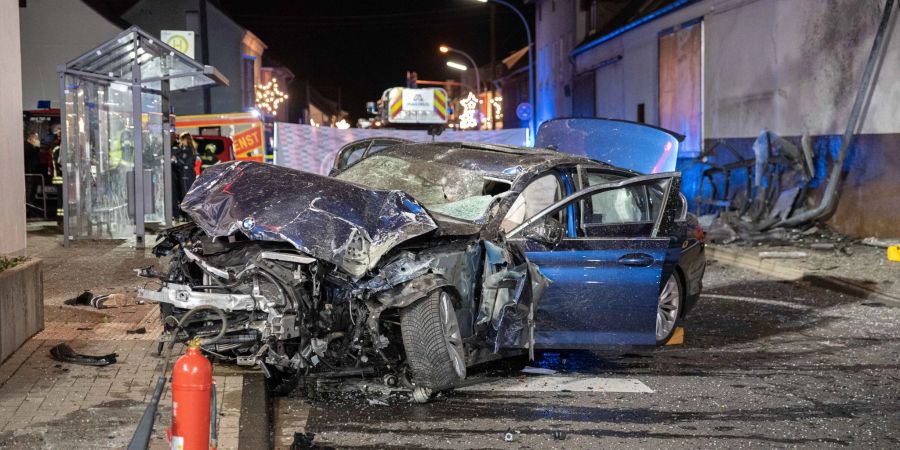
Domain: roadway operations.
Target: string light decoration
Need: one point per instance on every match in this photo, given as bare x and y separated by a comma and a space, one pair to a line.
497, 106
468, 118
269, 97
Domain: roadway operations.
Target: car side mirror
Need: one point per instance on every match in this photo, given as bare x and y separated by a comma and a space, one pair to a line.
548, 232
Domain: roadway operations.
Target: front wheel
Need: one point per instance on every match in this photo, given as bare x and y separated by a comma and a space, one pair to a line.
433, 342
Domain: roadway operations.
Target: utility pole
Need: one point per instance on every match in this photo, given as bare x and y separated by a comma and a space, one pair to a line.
204, 48
493, 9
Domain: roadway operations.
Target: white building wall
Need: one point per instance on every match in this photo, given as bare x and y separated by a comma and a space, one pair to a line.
795, 66
792, 66
54, 32
637, 74
554, 39
12, 175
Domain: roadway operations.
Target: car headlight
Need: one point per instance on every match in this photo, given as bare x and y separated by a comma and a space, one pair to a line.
356, 256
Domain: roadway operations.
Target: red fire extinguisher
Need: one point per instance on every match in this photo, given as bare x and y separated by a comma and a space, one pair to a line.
192, 386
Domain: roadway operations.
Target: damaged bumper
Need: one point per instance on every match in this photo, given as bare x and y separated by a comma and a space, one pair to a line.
184, 297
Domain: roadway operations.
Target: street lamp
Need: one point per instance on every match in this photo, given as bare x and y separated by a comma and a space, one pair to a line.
456, 65
530, 59
447, 49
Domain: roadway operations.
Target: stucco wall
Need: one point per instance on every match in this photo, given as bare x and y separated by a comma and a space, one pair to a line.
54, 32
792, 66
12, 178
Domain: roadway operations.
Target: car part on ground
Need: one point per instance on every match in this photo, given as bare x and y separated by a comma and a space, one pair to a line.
63, 353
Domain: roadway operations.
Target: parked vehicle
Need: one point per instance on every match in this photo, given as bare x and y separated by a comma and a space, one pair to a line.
422, 260
213, 150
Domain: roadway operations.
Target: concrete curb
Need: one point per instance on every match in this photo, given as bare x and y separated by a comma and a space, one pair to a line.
256, 414
785, 271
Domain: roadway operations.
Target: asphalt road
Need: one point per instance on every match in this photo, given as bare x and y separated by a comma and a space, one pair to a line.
765, 364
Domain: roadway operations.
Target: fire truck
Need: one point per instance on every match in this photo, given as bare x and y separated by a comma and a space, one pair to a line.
412, 108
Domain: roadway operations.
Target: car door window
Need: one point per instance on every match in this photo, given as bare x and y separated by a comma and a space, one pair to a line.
632, 207
628, 211
352, 154
539, 194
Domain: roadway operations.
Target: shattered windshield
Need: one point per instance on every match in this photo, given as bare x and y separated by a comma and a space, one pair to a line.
444, 189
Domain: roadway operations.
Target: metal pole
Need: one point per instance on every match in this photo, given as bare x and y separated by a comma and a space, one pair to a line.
137, 134
532, 124
834, 178
63, 154
167, 153
204, 57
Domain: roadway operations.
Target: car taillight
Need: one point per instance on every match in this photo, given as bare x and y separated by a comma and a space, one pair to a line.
699, 234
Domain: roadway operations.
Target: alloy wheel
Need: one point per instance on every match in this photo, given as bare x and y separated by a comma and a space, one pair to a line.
453, 335
669, 307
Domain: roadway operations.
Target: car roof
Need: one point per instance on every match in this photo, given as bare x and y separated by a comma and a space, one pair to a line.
506, 162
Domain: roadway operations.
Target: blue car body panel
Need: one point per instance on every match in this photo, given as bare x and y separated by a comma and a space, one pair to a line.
592, 299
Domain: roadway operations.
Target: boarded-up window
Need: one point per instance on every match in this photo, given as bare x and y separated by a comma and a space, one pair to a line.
680, 73
583, 95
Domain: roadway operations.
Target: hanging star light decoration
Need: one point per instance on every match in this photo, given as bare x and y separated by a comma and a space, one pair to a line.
468, 119
269, 97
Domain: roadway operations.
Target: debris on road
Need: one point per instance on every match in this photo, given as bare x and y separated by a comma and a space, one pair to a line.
139, 330
783, 255
539, 371
559, 435
63, 353
881, 243
87, 298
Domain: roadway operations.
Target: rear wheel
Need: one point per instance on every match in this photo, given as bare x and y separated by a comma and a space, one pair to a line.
433, 343
668, 309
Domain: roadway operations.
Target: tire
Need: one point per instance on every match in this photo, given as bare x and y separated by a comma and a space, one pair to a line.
668, 308
433, 344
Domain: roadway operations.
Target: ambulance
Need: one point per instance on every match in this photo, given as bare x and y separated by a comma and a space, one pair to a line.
223, 137
417, 108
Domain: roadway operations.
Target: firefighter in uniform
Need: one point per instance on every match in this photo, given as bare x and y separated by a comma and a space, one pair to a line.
184, 166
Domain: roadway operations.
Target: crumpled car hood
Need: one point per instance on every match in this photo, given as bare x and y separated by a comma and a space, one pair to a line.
343, 223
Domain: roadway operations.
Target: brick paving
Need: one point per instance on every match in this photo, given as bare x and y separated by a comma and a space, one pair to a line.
48, 404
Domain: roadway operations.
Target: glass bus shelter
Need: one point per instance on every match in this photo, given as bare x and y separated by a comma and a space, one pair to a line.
114, 105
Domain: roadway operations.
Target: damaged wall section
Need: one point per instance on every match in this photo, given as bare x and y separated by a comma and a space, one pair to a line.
789, 67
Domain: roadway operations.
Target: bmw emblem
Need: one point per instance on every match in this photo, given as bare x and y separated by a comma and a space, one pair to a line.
248, 223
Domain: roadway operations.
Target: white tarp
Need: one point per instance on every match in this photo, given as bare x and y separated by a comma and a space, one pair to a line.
312, 149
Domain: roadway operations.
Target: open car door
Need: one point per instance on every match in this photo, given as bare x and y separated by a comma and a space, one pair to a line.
606, 279
630, 145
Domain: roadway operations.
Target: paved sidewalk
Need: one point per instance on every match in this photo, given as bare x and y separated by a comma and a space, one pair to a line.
862, 271
48, 404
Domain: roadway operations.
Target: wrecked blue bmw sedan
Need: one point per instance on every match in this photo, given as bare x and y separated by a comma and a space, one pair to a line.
424, 259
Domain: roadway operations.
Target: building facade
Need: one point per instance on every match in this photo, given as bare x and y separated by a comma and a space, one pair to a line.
233, 50
48, 39
724, 70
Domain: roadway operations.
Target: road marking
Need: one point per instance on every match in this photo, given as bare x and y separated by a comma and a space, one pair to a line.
764, 301
558, 383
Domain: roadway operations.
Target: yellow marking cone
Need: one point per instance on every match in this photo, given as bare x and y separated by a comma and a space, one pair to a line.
677, 337
893, 253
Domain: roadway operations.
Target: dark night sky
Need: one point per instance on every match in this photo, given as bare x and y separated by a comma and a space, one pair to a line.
367, 46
